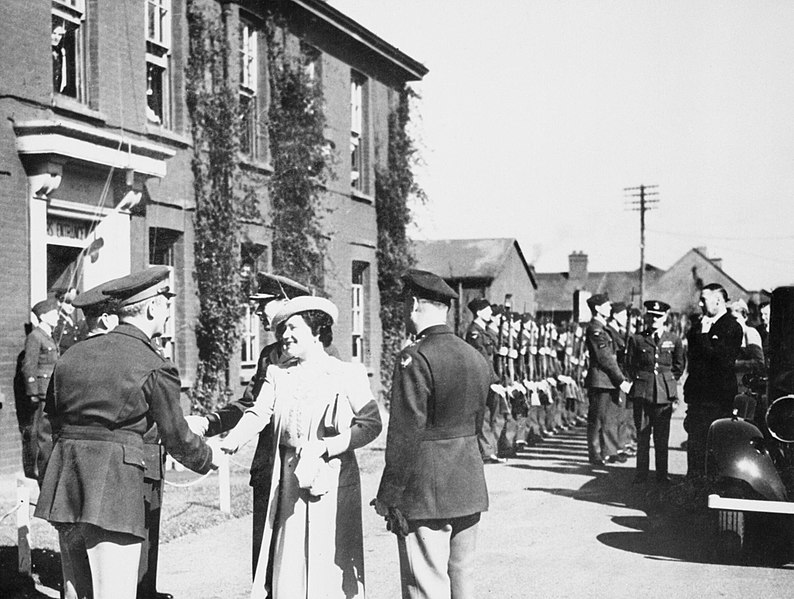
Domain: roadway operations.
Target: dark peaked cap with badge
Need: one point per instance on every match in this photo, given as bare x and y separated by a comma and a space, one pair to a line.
656, 307
276, 287
429, 286
140, 286
93, 301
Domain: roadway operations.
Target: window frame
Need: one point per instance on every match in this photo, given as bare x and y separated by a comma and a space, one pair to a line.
71, 15
158, 59
248, 56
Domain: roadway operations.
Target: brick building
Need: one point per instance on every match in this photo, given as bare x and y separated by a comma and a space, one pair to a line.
95, 160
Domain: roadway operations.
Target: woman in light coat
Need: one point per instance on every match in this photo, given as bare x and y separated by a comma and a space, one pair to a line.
322, 410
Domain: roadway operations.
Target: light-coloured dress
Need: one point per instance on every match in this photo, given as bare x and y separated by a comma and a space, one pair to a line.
315, 542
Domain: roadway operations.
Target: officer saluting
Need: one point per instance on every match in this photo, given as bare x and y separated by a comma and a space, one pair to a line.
655, 362
433, 487
106, 392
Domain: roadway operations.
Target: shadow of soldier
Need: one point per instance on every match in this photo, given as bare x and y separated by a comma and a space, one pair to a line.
46, 573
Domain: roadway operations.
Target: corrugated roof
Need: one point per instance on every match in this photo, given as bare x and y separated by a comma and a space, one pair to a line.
464, 258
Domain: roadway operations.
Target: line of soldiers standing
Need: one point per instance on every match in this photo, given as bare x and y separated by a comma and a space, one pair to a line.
629, 364
536, 373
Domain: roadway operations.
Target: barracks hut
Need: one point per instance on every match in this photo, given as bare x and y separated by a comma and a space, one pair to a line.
489, 268
96, 150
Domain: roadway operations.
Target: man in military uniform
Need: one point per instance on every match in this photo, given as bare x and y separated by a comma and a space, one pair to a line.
70, 327
655, 362
713, 342
618, 322
481, 339
604, 380
273, 293
433, 487
101, 316
106, 392
41, 353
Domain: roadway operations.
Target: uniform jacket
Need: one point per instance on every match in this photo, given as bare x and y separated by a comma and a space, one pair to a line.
484, 342
654, 366
41, 353
106, 392
603, 371
712, 357
620, 347
433, 464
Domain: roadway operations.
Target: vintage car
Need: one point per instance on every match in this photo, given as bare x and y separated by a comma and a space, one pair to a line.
750, 458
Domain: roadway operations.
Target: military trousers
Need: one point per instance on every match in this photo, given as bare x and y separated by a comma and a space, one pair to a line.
602, 423
652, 419
492, 423
437, 558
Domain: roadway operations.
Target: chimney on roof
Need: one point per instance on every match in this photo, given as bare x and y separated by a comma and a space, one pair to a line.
577, 266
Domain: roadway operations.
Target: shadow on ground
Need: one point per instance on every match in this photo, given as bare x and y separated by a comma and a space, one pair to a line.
46, 572
676, 526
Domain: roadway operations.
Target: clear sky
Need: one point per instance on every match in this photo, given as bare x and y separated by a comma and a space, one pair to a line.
536, 114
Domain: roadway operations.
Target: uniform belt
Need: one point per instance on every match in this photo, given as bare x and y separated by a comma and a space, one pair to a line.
100, 433
448, 432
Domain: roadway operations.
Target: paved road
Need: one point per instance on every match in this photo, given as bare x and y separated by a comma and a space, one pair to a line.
556, 528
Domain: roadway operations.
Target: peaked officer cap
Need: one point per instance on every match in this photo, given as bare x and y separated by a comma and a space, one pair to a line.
141, 285
273, 287
426, 285
478, 304
656, 307
304, 303
597, 299
44, 306
94, 300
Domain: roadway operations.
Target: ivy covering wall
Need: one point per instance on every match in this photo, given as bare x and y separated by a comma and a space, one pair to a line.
299, 157
394, 186
213, 108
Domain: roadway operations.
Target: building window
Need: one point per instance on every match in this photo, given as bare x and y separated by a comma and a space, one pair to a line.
253, 259
358, 312
161, 252
310, 57
158, 55
68, 48
249, 113
250, 336
358, 123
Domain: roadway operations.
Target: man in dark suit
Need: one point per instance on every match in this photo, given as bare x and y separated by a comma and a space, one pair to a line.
481, 339
655, 362
106, 392
273, 292
714, 342
433, 487
604, 381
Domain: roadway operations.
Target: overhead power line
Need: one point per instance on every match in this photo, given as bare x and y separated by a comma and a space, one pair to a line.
645, 200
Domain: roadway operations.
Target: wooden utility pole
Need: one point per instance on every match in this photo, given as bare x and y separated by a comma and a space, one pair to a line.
646, 201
